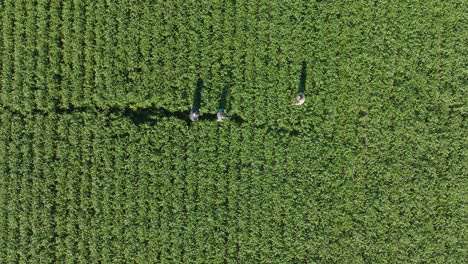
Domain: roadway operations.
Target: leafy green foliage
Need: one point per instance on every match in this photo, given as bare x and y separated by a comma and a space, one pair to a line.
97, 165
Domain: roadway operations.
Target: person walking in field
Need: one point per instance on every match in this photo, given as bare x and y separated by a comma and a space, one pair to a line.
194, 114
221, 115
300, 99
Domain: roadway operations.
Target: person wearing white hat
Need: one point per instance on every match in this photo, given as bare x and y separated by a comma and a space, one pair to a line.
300, 99
221, 115
194, 114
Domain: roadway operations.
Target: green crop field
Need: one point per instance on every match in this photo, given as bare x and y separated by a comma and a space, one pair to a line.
100, 163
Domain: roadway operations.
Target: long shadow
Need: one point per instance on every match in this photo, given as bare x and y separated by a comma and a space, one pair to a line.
223, 99
302, 81
197, 101
208, 116
153, 115
237, 119
225, 92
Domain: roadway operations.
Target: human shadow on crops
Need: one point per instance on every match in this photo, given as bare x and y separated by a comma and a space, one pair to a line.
222, 104
302, 80
153, 114
238, 119
225, 92
197, 100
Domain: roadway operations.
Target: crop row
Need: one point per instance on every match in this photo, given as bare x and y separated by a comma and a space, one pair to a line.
115, 54
97, 188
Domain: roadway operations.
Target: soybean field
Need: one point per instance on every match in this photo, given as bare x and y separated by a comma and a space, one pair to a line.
100, 163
